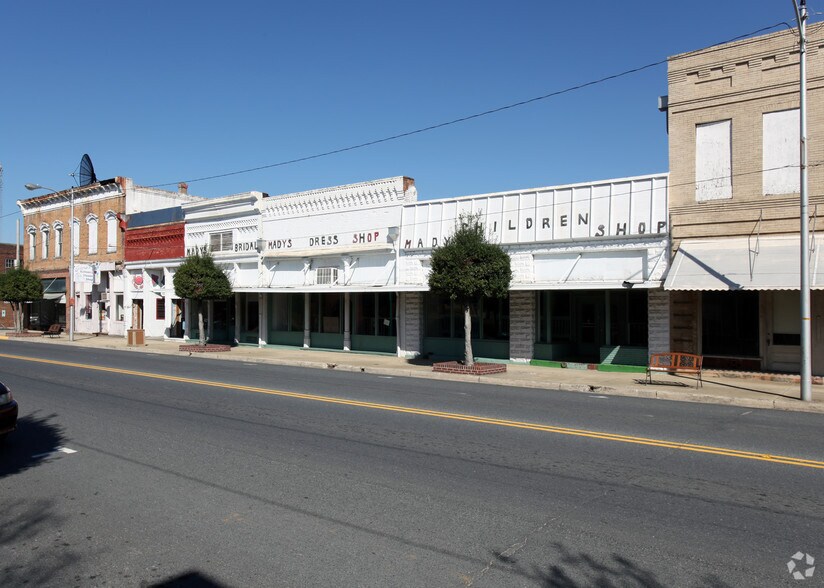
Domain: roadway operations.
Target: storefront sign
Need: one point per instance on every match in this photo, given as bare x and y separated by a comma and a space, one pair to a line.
341, 240
633, 207
84, 273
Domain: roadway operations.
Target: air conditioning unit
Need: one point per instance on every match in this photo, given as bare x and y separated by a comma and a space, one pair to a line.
326, 276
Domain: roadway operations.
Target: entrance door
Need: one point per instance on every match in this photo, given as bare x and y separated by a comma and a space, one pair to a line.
137, 314
176, 329
589, 311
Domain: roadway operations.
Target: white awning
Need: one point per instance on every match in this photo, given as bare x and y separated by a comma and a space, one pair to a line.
743, 263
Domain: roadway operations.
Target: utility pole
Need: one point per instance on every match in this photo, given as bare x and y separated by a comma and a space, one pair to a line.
806, 349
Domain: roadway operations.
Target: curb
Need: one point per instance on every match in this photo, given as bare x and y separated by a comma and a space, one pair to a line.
784, 404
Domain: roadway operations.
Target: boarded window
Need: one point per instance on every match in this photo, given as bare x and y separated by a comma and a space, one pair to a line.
92, 222
782, 152
713, 161
221, 241
160, 309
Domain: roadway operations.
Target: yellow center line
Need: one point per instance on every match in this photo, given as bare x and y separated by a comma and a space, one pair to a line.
783, 459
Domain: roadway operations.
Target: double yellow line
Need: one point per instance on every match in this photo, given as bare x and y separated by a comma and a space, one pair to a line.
727, 452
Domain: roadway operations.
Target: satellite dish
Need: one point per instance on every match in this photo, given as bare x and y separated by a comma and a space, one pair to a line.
86, 171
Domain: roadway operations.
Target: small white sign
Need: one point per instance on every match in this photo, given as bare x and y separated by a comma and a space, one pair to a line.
84, 273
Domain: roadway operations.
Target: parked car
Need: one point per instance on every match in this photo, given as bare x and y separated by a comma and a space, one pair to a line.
8, 412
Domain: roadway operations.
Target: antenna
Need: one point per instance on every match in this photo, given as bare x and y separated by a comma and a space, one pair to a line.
86, 171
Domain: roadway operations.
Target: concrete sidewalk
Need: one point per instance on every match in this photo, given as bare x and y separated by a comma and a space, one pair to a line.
736, 390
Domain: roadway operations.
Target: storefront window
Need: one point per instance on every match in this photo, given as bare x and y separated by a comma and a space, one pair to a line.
628, 318
374, 314
490, 318
296, 311
730, 323
326, 310
438, 316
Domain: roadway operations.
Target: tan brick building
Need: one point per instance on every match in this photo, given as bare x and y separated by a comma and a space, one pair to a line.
101, 212
733, 122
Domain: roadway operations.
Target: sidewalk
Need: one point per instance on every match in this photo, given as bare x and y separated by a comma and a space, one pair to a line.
718, 389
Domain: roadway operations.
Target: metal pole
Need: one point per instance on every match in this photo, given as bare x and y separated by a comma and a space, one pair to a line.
806, 350
71, 266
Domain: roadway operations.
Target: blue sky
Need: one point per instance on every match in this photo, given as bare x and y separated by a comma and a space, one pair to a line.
169, 91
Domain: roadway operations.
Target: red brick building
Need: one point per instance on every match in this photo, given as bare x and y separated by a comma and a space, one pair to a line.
8, 254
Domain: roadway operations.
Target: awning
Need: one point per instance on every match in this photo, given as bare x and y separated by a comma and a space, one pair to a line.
743, 263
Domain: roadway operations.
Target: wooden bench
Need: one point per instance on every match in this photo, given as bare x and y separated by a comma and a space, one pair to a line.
53, 331
675, 363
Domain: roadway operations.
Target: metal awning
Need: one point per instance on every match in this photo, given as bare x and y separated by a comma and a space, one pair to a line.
743, 263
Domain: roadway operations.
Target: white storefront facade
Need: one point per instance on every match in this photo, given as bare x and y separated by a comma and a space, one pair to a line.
588, 263
346, 268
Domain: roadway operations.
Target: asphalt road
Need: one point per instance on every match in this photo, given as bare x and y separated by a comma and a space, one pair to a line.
296, 477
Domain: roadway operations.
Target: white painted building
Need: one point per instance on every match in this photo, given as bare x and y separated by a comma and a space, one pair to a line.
584, 257
346, 268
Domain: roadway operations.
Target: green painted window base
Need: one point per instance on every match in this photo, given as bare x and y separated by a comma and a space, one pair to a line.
629, 369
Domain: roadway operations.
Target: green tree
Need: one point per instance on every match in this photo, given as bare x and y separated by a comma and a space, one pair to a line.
18, 286
467, 267
200, 279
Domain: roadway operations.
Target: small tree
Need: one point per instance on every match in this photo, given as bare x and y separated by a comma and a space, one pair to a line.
467, 267
199, 279
18, 286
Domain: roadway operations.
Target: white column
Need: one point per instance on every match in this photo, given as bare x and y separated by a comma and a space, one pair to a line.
306, 323
347, 332
237, 317
263, 319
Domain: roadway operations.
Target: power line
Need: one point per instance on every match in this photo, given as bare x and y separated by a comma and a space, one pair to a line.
595, 183
456, 120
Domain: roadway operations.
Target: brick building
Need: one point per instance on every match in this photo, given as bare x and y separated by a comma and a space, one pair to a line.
96, 235
155, 246
8, 256
733, 124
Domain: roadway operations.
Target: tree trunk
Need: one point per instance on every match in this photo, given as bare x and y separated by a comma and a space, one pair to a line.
468, 359
201, 333
16, 307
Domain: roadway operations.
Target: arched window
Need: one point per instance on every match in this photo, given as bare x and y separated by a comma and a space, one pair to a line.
91, 221
111, 231
44, 237
32, 231
58, 239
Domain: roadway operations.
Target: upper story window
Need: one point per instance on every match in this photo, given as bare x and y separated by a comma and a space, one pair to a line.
32, 231
91, 221
58, 239
76, 236
111, 231
781, 152
220, 241
44, 236
713, 161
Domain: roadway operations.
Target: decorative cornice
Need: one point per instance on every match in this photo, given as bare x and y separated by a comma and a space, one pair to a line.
211, 227
353, 196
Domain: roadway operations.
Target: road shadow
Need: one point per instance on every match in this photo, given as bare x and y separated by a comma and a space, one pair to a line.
27, 526
190, 579
32, 443
572, 569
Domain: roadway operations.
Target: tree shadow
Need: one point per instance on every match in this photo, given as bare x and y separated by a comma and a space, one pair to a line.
32, 443
190, 579
578, 570
25, 529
